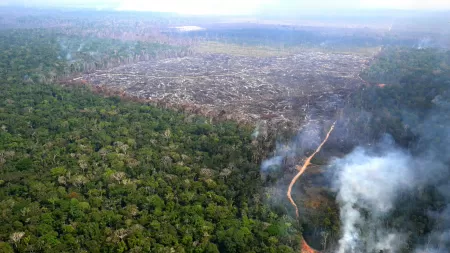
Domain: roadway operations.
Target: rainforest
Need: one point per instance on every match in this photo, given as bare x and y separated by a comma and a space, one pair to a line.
150, 132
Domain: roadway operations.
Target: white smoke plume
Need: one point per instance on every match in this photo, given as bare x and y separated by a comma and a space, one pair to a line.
260, 130
382, 189
308, 138
80, 47
424, 43
368, 184
272, 164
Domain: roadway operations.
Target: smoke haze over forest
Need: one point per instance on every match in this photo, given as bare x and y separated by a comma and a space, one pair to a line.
225, 126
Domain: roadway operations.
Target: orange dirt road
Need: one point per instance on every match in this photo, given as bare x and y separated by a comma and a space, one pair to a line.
305, 247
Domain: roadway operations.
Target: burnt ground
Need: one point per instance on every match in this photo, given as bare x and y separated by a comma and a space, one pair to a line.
279, 88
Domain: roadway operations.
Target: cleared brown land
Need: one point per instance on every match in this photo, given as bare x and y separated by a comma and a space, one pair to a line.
283, 88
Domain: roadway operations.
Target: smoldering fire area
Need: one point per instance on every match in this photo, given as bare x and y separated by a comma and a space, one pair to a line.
390, 198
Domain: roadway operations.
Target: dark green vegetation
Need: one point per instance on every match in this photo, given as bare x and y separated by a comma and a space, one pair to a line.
413, 80
80, 172
29, 55
42, 55
413, 107
287, 37
83, 173
395, 66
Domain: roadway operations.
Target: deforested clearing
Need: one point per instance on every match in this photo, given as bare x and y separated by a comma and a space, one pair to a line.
251, 88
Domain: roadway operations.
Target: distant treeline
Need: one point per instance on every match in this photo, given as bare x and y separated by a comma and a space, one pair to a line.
289, 37
41, 55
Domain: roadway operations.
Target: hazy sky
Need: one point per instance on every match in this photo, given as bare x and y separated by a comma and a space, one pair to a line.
239, 6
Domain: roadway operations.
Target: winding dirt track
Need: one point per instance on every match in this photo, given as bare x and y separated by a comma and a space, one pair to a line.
301, 170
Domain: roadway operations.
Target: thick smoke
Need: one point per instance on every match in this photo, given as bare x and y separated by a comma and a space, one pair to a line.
368, 183
392, 199
372, 184
435, 132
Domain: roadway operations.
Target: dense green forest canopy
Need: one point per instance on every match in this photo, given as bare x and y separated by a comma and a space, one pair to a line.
45, 55
403, 84
83, 173
80, 172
